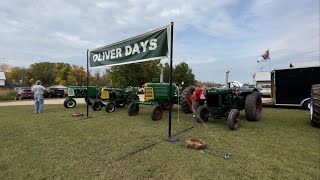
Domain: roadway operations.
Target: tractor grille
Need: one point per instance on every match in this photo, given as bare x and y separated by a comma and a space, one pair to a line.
70, 92
212, 100
148, 93
104, 94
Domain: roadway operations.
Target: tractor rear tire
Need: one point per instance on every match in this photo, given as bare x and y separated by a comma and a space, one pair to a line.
202, 114
110, 107
131, 98
156, 113
69, 103
234, 119
315, 105
96, 106
185, 99
253, 106
133, 109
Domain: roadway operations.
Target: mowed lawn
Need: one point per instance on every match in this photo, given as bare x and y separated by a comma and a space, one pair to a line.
55, 145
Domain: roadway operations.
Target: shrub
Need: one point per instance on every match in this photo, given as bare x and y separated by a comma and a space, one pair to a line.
9, 95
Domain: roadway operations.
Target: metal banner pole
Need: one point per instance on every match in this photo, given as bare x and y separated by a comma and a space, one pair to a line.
87, 83
170, 138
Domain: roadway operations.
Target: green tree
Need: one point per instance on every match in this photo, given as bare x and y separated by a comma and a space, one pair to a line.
166, 72
134, 74
63, 70
76, 75
19, 75
182, 72
44, 71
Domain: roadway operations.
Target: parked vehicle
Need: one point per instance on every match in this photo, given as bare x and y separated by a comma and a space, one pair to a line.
115, 97
24, 94
80, 92
226, 102
156, 95
265, 90
55, 92
292, 87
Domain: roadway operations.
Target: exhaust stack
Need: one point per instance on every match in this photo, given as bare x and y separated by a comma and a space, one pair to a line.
227, 79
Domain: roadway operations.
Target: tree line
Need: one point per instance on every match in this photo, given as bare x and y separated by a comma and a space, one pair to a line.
117, 76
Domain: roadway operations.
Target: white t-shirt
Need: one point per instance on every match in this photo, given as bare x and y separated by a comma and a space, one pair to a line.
37, 89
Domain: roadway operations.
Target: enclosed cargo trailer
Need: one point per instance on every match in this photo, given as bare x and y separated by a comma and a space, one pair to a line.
292, 87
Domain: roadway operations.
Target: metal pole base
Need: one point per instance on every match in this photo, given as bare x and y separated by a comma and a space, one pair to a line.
171, 139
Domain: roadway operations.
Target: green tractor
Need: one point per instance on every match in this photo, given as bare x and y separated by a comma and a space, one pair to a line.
115, 97
156, 95
225, 102
80, 92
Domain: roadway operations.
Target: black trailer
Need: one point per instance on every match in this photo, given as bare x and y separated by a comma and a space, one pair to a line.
292, 87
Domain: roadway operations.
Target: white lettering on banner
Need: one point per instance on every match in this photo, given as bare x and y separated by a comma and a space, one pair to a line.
95, 57
144, 45
153, 44
106, 55
118, 52
128, 50
136, 48
113, 53
100, 59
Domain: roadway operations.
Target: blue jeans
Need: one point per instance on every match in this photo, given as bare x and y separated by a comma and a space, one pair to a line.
38, 103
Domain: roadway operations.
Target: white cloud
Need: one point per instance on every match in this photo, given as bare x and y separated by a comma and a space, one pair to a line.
211, 35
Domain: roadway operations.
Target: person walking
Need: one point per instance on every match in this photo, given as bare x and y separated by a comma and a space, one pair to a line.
38, 97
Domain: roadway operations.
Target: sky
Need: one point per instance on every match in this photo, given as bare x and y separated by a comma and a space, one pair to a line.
211, 36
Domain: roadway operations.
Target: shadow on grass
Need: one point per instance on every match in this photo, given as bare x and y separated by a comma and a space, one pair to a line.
77, 119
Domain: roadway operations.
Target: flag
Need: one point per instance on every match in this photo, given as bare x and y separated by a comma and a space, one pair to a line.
264, 57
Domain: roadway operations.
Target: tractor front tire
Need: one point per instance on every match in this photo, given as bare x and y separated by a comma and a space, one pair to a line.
202, 114
185, 99
69, 103
234, 119
315, 105
110, 107
156, 113
133, 109
253, 106
96, 106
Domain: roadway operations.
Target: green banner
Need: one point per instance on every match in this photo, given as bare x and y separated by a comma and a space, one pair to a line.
145, 47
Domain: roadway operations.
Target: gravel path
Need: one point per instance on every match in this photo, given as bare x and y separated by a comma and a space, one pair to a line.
47, 101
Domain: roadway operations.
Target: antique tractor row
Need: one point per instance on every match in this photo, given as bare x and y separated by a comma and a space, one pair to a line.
225, 102
114, 97
108, 97
220, 102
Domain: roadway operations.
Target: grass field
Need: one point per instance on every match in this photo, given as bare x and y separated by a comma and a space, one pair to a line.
54, 145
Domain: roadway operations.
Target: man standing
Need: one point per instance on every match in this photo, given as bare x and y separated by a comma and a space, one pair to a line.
198, 94
38, 97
